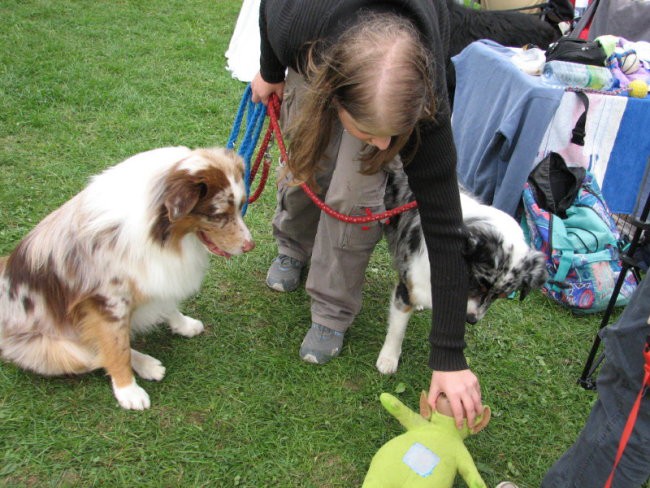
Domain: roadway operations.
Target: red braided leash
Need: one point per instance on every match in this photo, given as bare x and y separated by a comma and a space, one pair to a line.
273, 111
262, 154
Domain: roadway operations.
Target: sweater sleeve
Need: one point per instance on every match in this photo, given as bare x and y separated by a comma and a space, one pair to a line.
432, 177
271, 68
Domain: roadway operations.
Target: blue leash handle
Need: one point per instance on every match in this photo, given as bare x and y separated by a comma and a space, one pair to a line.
255, 114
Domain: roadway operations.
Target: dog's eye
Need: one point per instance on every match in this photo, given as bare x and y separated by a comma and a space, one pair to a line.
203, 190
216, 216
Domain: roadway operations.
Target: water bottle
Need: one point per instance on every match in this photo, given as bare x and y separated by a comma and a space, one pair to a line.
579, 8
576, 75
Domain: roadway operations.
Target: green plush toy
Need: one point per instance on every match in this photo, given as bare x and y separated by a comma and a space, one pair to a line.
429, 453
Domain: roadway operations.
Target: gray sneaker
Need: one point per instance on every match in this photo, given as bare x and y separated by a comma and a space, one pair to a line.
284, 273
506, 484
321, 344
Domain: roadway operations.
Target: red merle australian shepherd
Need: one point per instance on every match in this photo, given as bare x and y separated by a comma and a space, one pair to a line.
118, 258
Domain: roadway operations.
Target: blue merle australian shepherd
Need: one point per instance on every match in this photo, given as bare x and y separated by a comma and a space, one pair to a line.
500, 263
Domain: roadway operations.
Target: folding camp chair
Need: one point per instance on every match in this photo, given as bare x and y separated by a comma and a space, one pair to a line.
640, 220
623, 18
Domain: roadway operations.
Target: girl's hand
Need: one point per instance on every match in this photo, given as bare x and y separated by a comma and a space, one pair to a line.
261, 90
463, 392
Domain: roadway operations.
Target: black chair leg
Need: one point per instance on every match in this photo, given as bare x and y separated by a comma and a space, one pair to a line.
587, 380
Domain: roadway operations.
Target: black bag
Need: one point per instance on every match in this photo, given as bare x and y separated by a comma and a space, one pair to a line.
556, 184
576, 51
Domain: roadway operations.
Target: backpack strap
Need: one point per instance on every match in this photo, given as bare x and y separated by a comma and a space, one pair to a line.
559, 241
578, 133
565, 263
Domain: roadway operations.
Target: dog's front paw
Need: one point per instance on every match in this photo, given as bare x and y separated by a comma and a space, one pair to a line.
186, 326
387, 364
132, 397
147, 367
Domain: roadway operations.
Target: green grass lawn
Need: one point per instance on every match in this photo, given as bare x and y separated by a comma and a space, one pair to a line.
83, 85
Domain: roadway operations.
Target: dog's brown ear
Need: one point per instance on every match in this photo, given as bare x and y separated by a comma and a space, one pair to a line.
182, 197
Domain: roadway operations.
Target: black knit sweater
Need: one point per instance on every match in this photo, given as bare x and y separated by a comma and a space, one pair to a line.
286, 26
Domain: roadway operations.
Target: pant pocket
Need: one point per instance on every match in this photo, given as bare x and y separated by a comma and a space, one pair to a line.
360, 237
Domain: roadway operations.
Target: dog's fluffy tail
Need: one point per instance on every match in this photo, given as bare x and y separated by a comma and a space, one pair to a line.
48, 355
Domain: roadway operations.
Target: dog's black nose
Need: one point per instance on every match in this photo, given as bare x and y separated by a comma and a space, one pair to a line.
471, 318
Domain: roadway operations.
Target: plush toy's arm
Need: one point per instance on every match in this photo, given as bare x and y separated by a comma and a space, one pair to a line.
407, 417
468, 471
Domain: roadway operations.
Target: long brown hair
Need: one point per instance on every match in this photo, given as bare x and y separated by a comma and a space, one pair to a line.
378, 71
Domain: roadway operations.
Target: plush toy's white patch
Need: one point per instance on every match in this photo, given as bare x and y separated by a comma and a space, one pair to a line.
421, 460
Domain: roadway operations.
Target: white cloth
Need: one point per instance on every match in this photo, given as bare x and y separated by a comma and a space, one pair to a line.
243, 52
530, 61
603, 122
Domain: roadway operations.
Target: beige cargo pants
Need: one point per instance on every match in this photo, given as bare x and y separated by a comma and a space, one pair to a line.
339, 251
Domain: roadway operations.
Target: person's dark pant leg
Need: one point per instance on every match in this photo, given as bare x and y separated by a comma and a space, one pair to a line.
589, 461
